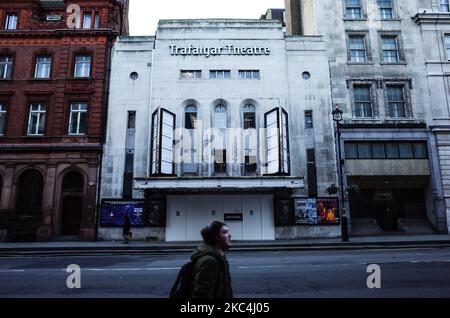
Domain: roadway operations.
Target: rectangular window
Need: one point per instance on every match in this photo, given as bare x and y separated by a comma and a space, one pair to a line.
445, 5
389, 46
190, 74
87, 20
131, 124
220, 74
96, 20
129, 161
385, 150
406, 150
249, 74
364, 151
311, 172
363, 101
250, 141
378, 151
36, 121
250, 165
77, 120
249, 120
396, 101
353, 9
220, 161
82, 66
2, 119
189, 120
6, 63
128, 175
309, 119
11, 21
386, 9
392, 151
447, 45
351, 150
420, 151
357, 47
43, 66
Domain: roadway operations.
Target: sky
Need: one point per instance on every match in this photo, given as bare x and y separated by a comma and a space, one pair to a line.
144, 14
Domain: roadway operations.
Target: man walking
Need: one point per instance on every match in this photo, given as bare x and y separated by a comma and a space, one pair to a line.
211, 272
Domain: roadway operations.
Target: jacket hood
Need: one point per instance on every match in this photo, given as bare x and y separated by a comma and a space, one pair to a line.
204, 249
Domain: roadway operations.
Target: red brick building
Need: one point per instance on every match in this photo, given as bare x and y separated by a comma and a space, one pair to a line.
54, 77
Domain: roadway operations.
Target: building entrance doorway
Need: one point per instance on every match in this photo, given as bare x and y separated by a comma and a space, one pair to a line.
385, 210
25, 222
72, 203
389, 204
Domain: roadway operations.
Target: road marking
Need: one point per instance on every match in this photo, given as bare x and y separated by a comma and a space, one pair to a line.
130, 269
262, 266
11, 270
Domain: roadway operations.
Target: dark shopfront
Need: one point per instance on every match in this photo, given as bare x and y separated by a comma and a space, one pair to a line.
390, 204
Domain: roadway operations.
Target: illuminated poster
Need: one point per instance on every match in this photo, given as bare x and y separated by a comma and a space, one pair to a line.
327, 211
305, 211
320, 211
112, 213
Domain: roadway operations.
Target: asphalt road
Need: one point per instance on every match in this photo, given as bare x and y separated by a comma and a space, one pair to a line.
315, 274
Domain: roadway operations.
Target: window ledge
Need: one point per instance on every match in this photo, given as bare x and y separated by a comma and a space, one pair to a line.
396, 120
40, 79
366, 119
34, 136
398, 63
388, 20
360, 63
351, 19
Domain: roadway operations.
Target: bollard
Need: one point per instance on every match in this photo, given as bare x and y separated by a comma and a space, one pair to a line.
344, 229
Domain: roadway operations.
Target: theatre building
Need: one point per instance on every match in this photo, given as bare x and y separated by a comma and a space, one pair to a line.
54, 61
220, 120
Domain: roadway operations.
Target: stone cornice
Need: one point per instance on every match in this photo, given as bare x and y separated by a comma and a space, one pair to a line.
58, 33
432, 18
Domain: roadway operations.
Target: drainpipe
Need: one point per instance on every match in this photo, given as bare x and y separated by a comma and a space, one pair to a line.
104, 121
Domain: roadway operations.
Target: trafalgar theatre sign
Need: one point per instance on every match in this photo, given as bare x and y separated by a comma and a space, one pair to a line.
208, 51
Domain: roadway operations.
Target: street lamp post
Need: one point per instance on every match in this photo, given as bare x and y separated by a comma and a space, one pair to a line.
337, 117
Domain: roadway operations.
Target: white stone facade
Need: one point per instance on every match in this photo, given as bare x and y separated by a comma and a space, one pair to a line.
358, 43
293, 75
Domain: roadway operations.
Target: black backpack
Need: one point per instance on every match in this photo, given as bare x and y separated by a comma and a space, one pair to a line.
183, 284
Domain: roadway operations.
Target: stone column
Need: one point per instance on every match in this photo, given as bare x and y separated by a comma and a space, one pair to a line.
87, 231
45, 231
6, 202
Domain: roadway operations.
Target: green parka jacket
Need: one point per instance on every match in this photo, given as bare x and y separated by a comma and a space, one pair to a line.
211, 274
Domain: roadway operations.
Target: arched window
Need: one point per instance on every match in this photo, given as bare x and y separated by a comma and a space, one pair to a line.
190, 116
220, 146
220, 116
250, 140
29, 193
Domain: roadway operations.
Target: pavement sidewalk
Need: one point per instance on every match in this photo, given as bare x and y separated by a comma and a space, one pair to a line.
142, 247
